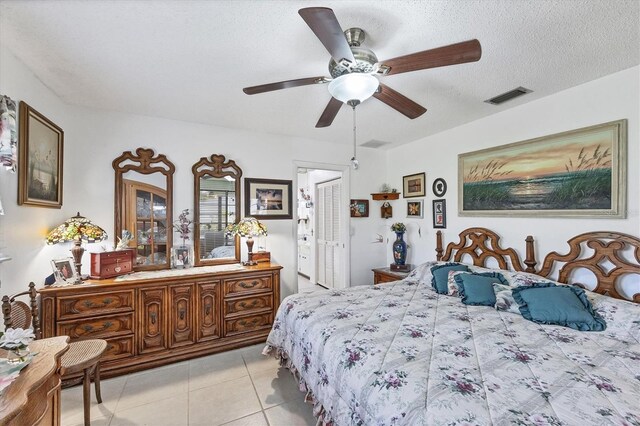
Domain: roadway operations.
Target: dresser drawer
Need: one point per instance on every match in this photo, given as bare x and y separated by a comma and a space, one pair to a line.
256, 284
118, 347
94, 304
91, 328
248, 324
248, 305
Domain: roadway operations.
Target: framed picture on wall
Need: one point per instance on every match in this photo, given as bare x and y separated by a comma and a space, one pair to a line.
414, 208
413, 185
359, 208
439, 213
579, 173
267, 198
40, 160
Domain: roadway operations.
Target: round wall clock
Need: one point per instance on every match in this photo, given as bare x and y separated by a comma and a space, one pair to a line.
439, 187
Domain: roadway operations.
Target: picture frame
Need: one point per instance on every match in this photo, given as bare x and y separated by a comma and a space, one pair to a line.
578, 173
41, 152
413, 185
439, 187
268, 198
439, 213
359, 208
415, 208
64, 270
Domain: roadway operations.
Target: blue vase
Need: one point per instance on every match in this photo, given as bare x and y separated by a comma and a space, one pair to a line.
399, 249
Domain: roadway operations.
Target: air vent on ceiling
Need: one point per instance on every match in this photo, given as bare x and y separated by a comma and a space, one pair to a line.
511, 94
374, 144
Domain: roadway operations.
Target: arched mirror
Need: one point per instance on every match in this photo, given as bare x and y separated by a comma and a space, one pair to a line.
144, 206
216, 205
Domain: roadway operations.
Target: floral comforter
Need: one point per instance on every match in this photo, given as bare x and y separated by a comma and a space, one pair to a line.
399, 353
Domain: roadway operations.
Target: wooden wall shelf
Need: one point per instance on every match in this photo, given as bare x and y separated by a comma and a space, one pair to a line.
385, 196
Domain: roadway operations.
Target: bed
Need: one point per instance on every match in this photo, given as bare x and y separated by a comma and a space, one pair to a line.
400, 353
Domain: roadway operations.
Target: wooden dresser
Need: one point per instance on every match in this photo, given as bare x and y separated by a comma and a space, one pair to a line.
386, 275
151, 322
34, 397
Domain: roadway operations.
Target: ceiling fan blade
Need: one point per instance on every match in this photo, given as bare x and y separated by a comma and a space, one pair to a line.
399, 102
459, 53
329, 113
324, 24
284, 85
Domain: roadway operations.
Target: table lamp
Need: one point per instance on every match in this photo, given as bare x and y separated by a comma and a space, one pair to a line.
78, 229
248, 227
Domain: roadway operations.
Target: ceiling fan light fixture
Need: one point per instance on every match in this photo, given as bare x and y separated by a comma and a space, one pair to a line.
354, 86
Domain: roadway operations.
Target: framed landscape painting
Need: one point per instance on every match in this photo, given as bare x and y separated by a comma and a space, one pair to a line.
267, 198
579, 173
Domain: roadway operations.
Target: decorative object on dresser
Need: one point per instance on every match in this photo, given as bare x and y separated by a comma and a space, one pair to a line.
439, 187
182, 256
413, 185
149, 322
144, 206
64, 271
34, 397
248, 227
80, 230
386, 275
359, 208
268, 198
399, 247
41, 153
83, 356
216, 183
414, 209
260, 257
579, 173
439, 213
109, 264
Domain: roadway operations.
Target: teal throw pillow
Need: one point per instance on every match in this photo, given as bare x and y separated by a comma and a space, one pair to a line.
440, 274
568, 306
477, 289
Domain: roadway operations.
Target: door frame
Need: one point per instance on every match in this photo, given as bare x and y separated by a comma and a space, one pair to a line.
345, 170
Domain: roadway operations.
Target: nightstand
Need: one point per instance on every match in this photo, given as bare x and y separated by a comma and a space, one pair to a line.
385, 275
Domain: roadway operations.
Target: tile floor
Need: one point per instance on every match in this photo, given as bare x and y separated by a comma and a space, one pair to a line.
305, 286
236, 388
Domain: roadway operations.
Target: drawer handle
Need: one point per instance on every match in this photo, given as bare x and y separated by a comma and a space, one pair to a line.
249, 285
207, 309
251, 305
181, 314
154, 317
105, 302
252, 322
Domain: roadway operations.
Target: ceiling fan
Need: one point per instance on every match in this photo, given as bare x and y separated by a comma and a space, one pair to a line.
353, 68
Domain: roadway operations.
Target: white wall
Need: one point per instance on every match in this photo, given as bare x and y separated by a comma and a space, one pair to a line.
94, 138
613, 97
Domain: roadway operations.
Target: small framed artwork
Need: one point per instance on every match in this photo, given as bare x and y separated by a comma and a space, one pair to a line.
267, 198
64, 270
40, 160
413, 185
359, 208
439, 187
414, 208
439, 213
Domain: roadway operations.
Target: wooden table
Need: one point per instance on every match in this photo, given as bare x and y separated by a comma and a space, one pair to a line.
34, 397
386, 275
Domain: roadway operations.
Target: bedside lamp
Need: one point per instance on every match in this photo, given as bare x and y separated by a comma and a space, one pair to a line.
248, 227
78, 229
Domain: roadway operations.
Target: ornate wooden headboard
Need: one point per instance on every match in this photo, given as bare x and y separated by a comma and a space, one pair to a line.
481, 244
608, 248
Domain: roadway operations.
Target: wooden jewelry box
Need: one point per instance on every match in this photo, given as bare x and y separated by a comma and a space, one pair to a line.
109, 264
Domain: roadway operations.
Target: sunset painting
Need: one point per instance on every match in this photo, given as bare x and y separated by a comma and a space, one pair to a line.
571, 173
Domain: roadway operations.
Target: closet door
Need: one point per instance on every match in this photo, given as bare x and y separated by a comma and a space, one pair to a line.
329, 250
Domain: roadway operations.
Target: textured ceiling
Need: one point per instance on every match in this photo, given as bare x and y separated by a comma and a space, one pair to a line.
189, 60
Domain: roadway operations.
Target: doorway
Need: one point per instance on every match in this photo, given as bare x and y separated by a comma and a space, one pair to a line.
322, 226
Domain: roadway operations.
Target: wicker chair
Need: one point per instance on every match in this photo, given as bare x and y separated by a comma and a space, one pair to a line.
82, 356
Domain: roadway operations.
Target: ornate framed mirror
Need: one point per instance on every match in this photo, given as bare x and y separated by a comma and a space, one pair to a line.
216, 205
144, 206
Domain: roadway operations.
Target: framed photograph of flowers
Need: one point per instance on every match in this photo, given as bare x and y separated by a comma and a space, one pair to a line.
40, 169
267, 198
359, 208
414, 209
439, 213
413, 185
64, 270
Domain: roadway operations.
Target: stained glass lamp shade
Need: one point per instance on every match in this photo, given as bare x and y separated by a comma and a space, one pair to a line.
248, 227
78, 229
